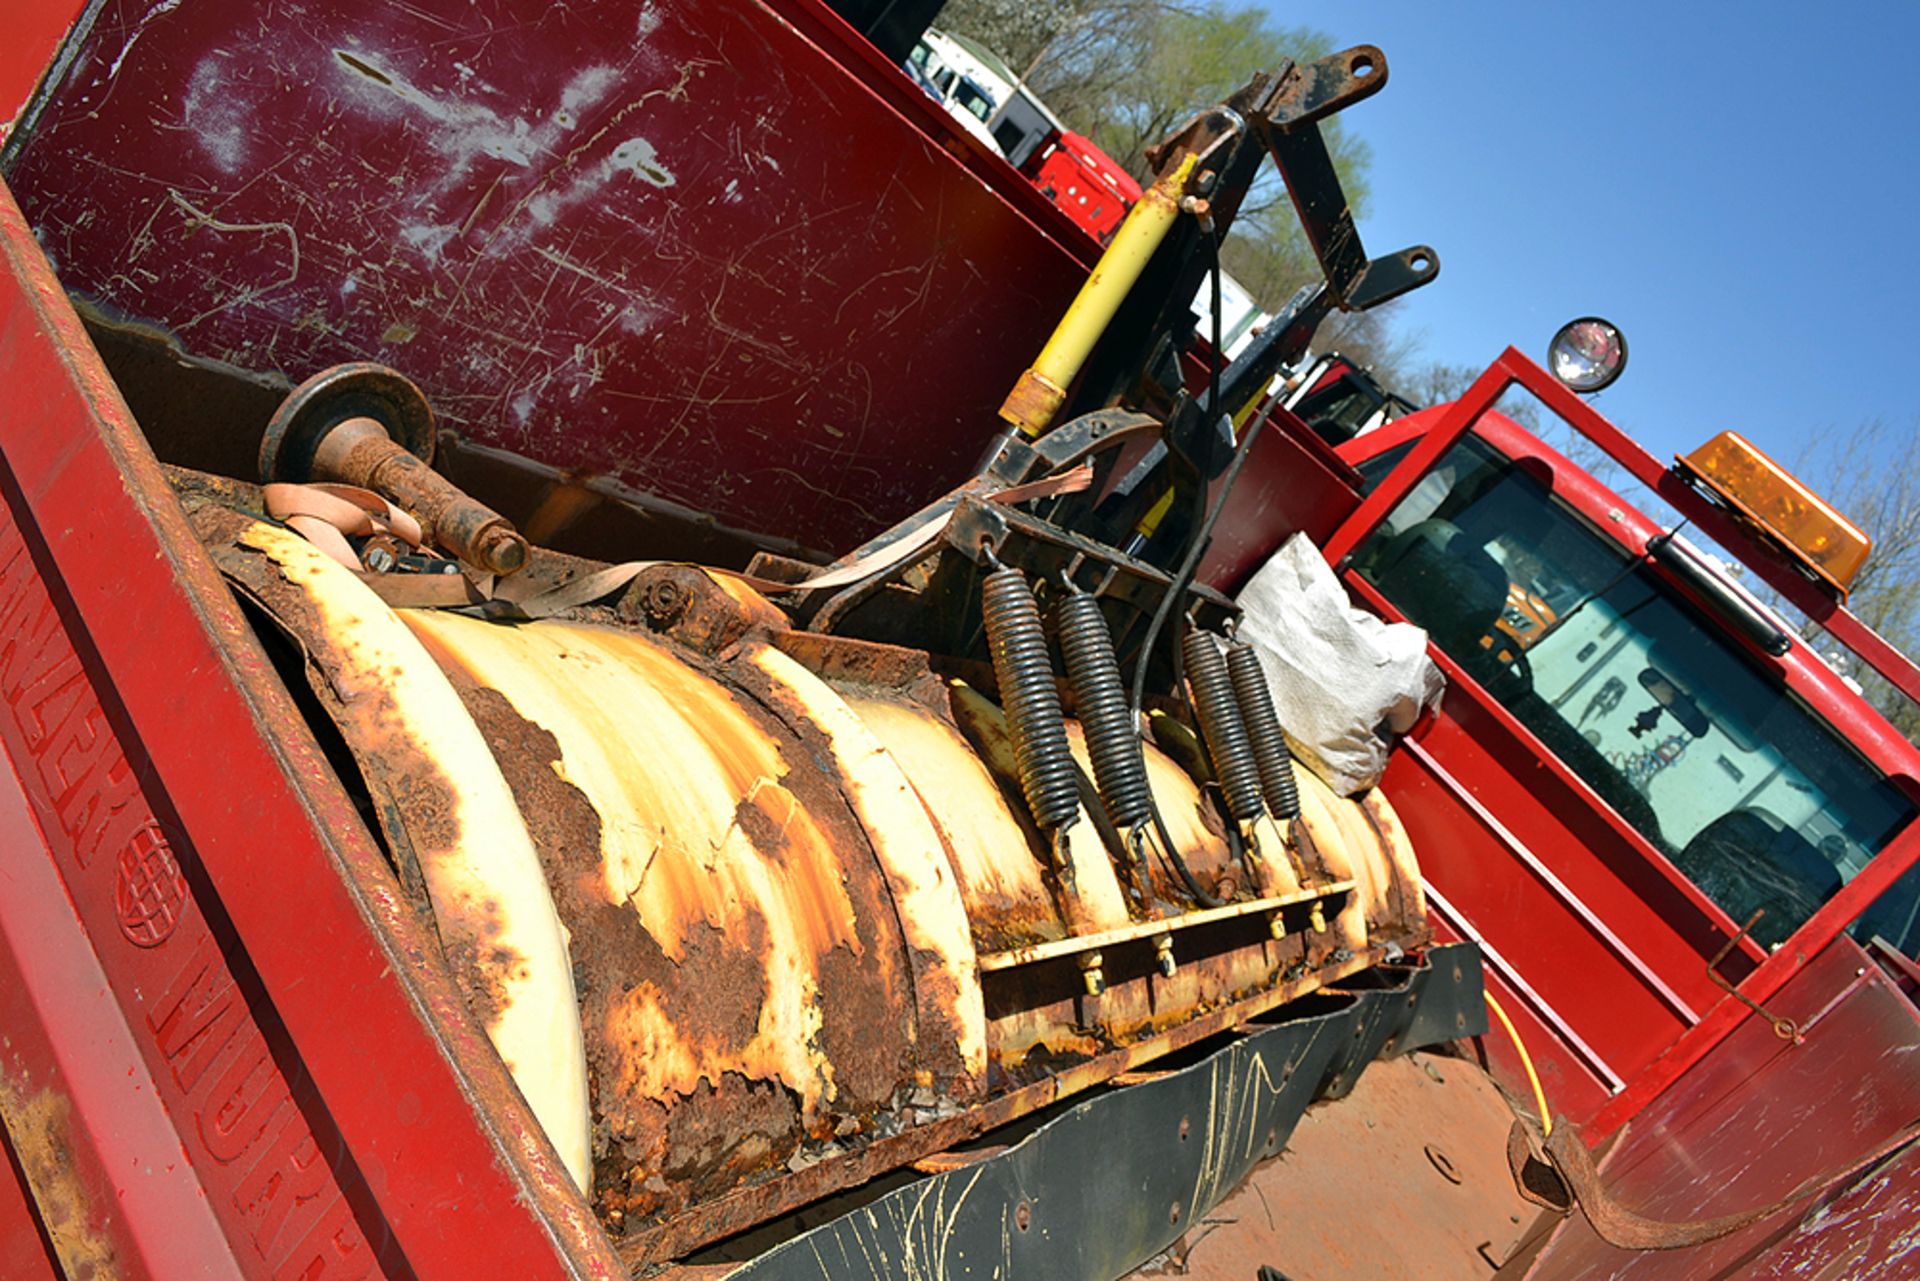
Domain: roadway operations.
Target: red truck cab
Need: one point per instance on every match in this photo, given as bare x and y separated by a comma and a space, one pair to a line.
1686, 788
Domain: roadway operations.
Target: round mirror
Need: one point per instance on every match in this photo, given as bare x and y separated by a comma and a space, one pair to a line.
1587, 354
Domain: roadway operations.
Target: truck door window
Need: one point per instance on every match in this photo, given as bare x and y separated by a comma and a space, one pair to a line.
1758, 801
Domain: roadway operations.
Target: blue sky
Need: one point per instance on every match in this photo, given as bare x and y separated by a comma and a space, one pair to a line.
1734, 185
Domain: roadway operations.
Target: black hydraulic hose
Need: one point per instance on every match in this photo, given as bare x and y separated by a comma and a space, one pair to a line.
1179, 865
1183, 576
1177, 589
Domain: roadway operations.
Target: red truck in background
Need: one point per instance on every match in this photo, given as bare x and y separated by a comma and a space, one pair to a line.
234, 1042
981, 92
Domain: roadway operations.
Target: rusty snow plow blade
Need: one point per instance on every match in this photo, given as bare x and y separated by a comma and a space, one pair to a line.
754, 914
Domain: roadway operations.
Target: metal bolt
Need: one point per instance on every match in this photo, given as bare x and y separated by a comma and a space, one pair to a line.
1317, 918
1163, 953
1092, 973
1277, 925
501, 550
379, 560
663, 599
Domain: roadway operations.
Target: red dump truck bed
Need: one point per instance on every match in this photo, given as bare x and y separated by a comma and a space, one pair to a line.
728, 283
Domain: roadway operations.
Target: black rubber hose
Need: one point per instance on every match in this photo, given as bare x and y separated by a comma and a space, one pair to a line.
1179, 865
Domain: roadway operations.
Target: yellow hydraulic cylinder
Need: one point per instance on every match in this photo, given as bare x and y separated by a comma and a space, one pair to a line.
1035, 399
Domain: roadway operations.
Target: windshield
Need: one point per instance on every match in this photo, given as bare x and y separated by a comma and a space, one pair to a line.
1750, 795
974, 100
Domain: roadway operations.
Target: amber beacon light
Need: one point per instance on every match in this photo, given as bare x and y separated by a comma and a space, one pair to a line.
1755, 486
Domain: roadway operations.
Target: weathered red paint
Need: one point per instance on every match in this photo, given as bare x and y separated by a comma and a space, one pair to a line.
682, 246
1755, 1118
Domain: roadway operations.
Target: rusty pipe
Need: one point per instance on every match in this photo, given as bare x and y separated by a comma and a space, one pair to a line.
359, 452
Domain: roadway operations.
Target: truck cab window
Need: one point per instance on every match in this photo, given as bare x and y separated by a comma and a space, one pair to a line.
1759, 802
972, 97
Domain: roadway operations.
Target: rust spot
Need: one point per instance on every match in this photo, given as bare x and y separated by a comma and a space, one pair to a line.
480, 970
39, 1128
658, 1152
1032, 403
696, 609
844, 661
424, 797
733, 1130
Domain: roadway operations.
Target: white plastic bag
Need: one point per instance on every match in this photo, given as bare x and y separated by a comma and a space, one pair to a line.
1343, 681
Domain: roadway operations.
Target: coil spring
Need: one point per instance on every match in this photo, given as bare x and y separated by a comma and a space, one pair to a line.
1270, 750
1113, 741
1024, 673
1221, 726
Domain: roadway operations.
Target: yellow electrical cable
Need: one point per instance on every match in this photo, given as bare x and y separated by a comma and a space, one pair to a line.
1526, 1061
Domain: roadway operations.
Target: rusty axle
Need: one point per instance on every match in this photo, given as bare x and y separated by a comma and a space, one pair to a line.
367, 425
360, 452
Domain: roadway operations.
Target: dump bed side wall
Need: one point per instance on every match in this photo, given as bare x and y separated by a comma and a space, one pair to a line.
713, 252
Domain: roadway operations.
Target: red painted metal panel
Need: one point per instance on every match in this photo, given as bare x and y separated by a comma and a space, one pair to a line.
339, 1107
1292, 481
1601, 987
86, 1117
1755, 1118
34, 32
675, 244
1575, 1077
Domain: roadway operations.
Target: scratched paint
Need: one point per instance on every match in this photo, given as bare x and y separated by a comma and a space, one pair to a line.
694, 259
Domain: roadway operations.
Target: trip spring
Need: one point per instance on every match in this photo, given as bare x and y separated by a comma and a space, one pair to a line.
1021, 667
1100, 696
1220, 725
1270, 750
